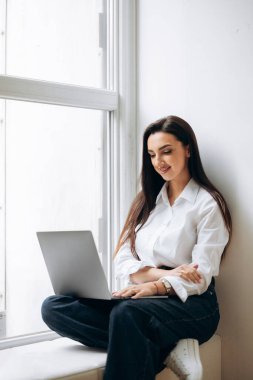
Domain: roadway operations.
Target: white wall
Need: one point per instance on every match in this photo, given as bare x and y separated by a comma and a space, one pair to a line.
195, 60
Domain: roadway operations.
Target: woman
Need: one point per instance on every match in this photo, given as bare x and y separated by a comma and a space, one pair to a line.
171, 244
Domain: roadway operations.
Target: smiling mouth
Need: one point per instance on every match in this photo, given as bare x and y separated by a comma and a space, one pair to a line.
164, 170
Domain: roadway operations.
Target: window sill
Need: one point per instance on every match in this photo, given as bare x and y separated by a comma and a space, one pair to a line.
65, 359
55, 359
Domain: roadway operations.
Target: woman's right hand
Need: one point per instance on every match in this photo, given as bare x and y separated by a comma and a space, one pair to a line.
188, 272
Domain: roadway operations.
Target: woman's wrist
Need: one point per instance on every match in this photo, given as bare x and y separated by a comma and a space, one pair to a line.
160, 290
148, 274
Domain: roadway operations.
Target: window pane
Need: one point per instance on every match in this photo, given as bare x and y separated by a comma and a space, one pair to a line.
55, 40
53, 182
2, 216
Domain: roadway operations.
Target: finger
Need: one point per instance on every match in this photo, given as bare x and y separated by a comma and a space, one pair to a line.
124, 289
185, 276
195, 278
130, 293
197, 274
192, 265
139, 294
125, 292
119, 292
193, 269
192, 276
188, 276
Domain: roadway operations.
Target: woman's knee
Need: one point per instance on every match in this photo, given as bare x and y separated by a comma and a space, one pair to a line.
48, 307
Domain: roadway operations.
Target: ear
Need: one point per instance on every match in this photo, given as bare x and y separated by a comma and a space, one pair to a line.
188, 154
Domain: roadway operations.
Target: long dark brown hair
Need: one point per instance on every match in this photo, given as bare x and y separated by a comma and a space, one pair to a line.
152, 182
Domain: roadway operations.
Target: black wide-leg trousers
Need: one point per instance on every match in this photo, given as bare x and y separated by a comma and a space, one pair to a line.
137, 334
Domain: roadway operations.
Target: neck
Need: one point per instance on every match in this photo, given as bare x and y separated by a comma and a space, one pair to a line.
176, 187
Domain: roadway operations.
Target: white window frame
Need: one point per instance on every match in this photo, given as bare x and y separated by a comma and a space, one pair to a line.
120, 151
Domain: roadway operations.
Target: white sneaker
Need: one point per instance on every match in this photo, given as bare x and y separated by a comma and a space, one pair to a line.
184, 360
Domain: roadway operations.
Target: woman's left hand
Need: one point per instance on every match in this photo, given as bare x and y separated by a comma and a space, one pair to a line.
138, 291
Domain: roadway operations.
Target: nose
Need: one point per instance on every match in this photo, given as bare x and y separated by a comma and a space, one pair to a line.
159, 162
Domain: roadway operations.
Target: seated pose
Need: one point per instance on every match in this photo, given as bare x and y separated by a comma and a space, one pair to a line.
171, 245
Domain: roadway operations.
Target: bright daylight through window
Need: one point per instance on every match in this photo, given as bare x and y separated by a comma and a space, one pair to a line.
56, 99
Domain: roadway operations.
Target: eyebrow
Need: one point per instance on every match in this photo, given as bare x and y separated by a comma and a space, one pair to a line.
162, 147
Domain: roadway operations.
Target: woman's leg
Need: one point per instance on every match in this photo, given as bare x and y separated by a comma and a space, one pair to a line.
138, 334
142, 332
84, 320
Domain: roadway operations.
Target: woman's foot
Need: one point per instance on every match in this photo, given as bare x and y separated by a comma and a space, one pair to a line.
184, 360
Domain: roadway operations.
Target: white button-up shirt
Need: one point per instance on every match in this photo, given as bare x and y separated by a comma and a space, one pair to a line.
192, 230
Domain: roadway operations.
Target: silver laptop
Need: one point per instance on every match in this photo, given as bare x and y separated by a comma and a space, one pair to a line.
73, 264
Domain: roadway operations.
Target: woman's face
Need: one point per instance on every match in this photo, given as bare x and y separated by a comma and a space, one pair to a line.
168, 156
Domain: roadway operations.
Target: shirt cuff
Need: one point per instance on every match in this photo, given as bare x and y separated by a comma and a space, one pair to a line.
184, 288
132, 267
178, 287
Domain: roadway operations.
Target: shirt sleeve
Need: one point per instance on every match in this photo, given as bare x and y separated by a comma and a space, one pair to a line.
125, 263
212, 237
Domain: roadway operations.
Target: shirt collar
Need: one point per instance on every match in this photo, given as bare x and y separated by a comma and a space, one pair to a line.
189, 192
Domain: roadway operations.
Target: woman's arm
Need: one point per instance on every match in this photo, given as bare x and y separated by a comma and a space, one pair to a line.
147, 280
212, 237
186, 271
125, 263
140, 272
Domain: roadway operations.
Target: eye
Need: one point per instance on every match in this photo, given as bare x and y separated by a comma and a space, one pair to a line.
167, 151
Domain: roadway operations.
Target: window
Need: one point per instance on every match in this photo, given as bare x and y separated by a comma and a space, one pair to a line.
54, 182
56, 40
58, 138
